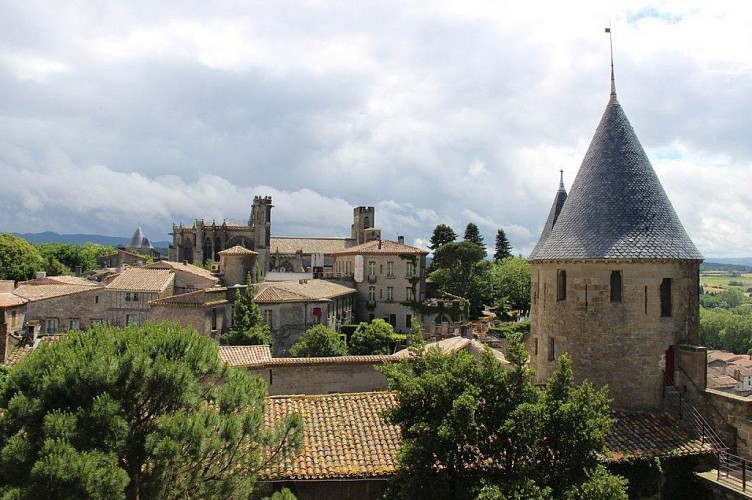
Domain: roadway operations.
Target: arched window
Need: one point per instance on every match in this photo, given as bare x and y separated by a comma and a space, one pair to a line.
615, 286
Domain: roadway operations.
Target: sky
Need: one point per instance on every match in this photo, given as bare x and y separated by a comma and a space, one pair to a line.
118, 114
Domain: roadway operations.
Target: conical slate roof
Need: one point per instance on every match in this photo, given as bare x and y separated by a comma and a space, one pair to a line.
553, 214
138, 240
616, 208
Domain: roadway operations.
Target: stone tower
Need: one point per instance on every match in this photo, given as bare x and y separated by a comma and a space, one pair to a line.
260, 223
362, 222
615, 277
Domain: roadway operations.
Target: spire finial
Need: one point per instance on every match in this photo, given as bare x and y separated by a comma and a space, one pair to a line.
561, 180
611, 46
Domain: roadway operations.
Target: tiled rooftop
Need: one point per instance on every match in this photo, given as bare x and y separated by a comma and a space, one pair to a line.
288, 245
245, 355
327, 360
199, 298
11, 300
237, 250
185, 267
382, 247
346, 437
296, 291
139, 279
616, 208
55, 286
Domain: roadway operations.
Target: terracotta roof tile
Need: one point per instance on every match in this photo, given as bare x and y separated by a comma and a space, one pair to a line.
10, 300
327, 360
199, 298
244, 355
56, 286
296, 291
140, 279
287, 245
346, 437
381, 247
237, 250
185, 267
646, 435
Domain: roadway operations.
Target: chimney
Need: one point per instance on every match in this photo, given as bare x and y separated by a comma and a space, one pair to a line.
401, 240
379, 243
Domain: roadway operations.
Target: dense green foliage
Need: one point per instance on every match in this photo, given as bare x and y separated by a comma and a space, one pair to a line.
66, 258
521, 327
319, 341
503, 247
147, 412
442, 234
510, 279
19, 259
472, 429
459, 269
726, 329
727, 299
246, 326
375, 337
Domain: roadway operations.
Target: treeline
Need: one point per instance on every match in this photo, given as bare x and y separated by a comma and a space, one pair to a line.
20, 260
727, 329
461, 268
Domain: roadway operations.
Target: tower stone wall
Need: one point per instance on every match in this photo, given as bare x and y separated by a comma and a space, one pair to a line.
621, 343
363, 219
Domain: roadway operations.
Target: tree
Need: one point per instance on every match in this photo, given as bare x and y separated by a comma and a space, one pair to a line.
472, 429
149, 412
503, 248
319, 341
246, 326
442, 234
64, 258
472, 234
511, 283
460, 270
371, 338
19, 259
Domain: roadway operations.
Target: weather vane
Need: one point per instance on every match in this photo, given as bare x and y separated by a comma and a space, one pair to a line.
611, 46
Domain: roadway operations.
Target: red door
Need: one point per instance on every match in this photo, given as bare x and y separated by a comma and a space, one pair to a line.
669, 374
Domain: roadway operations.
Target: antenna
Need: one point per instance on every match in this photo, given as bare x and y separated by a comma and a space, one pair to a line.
611, 46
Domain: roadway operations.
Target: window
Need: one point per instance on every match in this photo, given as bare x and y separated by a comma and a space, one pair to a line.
371, 317
561, 285
268, 315
51, 326
74, 324
371, 268
535, 347
615, 286
410, 271
666, 298
408, 320
390, 269
214, 320
127, 296
96, 299
551, 349
393, 320
409, 293
13, 318
135, 296
131, 319
371, 294
390, 293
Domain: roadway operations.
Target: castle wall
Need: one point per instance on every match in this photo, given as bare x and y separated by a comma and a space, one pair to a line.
619, 344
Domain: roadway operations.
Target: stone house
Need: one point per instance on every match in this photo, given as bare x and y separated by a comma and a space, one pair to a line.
289, 308
61, 303
235, 264
207, 311
12, 308
187, 276
120, 259
129, 293
388, 276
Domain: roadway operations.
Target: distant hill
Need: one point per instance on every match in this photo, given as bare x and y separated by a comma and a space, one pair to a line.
739, 261
80, 239
717, 266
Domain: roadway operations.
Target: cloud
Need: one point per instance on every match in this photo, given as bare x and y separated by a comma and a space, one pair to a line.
153, 113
